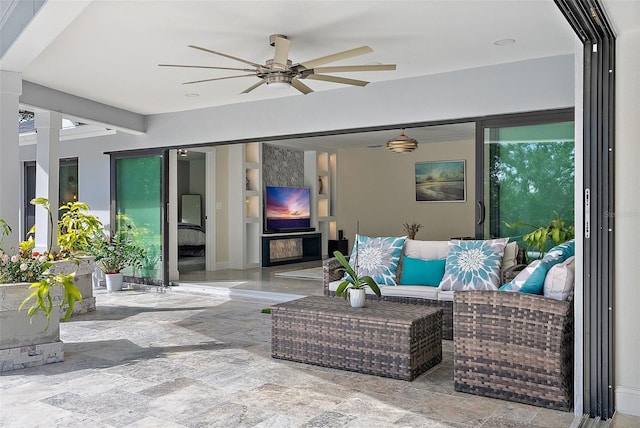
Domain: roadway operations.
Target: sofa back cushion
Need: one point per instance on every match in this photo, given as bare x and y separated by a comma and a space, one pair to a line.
426, 250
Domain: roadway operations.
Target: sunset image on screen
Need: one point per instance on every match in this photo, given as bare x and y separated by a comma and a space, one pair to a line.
285, 202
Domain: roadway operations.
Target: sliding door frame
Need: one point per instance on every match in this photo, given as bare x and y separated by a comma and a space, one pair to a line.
520, 119
588, 20
164, 192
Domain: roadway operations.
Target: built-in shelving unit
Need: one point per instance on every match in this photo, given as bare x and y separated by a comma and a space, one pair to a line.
246, 238
245, 211
320, 172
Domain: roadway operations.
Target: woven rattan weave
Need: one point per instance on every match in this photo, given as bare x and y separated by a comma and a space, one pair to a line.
514, 346
384, 339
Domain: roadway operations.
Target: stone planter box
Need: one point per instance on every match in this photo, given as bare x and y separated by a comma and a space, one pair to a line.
83, 280
23, 343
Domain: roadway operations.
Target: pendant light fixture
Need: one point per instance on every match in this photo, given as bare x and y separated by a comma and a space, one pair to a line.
402, 144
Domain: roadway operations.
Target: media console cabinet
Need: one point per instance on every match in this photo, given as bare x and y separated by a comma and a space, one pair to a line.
284, 248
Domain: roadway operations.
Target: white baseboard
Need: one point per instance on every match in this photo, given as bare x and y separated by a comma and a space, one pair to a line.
628, 400
222, 265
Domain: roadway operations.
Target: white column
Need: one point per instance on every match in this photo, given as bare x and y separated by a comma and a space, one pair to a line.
48, 126
10, 91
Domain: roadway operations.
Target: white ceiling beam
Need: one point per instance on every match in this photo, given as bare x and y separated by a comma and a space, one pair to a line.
32, 26
82, 109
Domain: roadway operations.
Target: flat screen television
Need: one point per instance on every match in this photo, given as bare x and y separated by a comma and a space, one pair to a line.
287, 209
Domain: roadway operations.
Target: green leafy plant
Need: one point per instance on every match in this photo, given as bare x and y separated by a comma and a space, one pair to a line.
30, 266
42, 300
76, 227
558, 231
5, 230
113, 254
151, 257
352, 280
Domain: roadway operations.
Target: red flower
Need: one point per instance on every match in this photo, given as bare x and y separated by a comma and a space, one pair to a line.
35, 254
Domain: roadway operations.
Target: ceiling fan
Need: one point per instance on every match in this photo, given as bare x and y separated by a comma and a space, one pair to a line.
281, 70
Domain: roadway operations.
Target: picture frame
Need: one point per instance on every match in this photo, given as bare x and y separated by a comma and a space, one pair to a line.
441, 181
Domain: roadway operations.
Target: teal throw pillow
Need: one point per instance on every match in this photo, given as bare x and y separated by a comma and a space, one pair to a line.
377, 257
422, 272
531, 279
564, 250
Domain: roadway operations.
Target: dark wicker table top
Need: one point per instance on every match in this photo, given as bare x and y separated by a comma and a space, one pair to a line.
389, 312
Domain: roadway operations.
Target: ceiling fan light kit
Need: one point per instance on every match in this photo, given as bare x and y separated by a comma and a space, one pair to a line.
402, 144
281, 71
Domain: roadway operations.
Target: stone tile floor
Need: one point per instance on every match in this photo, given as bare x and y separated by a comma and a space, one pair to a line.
181, 357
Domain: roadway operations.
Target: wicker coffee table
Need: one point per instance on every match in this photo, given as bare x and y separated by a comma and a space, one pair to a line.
383, 338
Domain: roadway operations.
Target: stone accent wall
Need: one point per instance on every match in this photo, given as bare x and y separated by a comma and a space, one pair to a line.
282, 166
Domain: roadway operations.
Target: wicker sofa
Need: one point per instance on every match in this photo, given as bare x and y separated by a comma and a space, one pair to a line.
507, 345
418, 294
514, 346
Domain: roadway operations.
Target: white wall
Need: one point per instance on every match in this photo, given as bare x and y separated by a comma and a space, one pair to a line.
222, 205
377, 188
627, 213
515, 87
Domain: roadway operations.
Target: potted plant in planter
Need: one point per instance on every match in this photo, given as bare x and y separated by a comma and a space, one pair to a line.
113, 255
75, 230
30, 339
353, 285
558, 231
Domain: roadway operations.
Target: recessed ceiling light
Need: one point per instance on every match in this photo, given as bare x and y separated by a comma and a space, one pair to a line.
192, 95
504, 42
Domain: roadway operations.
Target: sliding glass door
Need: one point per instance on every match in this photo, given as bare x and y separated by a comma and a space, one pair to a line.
528, 176
138, 199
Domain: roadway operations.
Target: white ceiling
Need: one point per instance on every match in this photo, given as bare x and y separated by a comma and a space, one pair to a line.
109, 52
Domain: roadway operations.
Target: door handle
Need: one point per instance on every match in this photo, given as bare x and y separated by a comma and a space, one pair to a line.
479, 213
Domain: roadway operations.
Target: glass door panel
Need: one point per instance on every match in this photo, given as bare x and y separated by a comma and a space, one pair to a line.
528, 177
138, 209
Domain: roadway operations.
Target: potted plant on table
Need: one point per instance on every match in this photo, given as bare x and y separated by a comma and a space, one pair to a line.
354, 285
113, 255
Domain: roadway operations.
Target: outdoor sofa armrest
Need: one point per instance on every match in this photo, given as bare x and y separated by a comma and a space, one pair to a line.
328, 273
514, 346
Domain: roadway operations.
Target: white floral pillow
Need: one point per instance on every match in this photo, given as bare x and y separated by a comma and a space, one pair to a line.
377, 257
473, 265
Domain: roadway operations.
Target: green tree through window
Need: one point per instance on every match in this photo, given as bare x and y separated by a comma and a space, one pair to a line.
530, 180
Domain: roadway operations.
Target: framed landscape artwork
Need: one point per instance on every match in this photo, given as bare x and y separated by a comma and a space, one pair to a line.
442, 181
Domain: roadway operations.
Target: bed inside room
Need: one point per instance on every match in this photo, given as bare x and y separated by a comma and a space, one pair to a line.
191, 234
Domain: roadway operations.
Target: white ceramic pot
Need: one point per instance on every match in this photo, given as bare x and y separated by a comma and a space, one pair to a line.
357, 297
113, 281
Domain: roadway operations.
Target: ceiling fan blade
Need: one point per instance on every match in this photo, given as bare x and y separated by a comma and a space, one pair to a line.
337, 56
206, 66
301, 86
252, 87
350, 68
226, 56
218, 78
336, 79
281, 55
